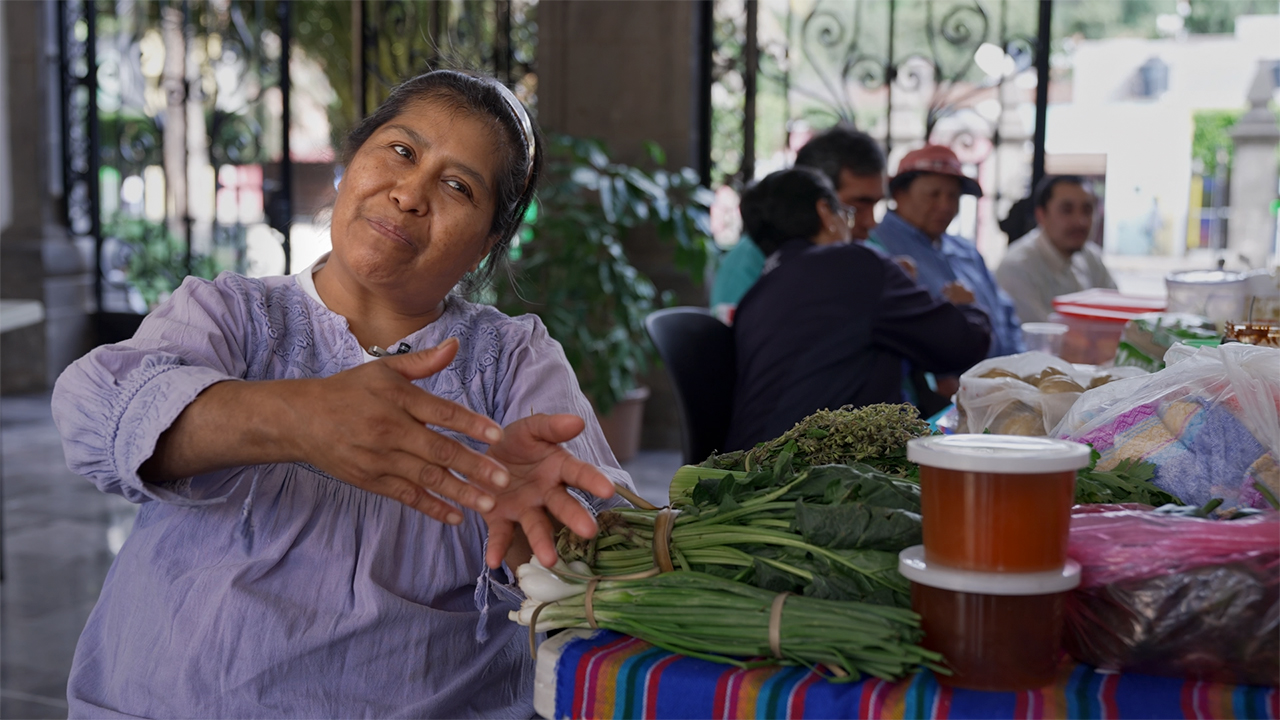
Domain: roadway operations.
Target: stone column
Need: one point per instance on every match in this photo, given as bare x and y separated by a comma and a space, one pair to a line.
626, 72
38, 260
1251, 232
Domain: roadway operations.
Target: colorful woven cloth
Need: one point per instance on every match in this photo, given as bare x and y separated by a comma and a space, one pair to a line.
1200, 449
604, 674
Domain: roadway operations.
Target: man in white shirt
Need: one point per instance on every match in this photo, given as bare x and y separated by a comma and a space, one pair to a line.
1056, 258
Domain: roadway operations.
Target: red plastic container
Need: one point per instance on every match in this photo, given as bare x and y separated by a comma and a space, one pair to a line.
997, 503
1113, 300
995, 631
1095, 320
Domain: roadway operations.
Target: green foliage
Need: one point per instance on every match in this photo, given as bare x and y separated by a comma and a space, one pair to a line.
1216, 16
571, 269
1213, 132
1127, 482
322, 28
157, 259
1096, 19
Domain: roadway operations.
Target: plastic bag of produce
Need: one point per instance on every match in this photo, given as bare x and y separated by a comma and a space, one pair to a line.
1165, 594
1209, 422
1025, 394
1146, 338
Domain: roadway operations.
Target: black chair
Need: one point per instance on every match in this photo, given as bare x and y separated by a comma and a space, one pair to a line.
698, 352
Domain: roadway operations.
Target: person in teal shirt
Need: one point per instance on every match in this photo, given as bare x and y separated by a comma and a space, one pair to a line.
854, 163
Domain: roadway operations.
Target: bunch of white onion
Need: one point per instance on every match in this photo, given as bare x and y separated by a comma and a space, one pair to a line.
541, 585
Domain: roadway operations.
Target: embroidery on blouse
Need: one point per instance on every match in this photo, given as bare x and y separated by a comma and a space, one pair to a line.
285, 338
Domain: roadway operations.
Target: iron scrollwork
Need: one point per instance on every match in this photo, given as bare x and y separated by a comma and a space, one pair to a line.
837, 48
226, 173
906, 71
79, 114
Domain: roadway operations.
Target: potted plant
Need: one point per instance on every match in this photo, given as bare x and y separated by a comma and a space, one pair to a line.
150, 263
571, 269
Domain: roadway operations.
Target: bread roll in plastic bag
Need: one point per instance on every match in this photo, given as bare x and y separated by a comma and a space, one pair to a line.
1178, 596
1210, 422
1025, 394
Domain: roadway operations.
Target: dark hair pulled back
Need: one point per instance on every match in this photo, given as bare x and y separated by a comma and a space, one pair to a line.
478, 95
783, 206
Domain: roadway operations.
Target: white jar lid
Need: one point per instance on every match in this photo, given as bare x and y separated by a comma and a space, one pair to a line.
1205, 277
912, 565
998, 453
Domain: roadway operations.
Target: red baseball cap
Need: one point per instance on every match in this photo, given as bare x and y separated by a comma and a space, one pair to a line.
938, 159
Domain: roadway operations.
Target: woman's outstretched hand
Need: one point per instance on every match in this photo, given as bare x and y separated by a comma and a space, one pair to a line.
541, 472
367, 426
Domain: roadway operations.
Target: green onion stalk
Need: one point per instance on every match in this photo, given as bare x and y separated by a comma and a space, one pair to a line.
831, 532
715, 619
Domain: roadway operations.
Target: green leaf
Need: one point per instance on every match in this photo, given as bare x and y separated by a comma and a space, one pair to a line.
853, 526
852, 588
571, 256
878, 565
655, 152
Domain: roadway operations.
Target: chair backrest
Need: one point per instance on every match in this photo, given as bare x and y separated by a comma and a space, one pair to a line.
699, 354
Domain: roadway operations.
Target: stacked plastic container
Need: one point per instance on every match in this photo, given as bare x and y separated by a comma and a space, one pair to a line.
1094, 319
990, 579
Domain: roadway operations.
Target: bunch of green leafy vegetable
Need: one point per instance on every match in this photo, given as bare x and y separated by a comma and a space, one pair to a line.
830, 531
875, 435
1128, 482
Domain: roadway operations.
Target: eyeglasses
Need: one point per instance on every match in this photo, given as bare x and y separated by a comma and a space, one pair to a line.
847, 214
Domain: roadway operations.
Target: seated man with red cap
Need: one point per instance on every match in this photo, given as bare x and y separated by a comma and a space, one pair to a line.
926, 191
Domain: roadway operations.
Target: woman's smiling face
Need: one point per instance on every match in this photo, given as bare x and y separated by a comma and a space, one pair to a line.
416, 204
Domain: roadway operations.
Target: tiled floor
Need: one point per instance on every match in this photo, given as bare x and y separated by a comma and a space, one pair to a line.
60, 535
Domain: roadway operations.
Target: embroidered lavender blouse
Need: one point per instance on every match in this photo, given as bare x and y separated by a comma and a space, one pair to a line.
279, 590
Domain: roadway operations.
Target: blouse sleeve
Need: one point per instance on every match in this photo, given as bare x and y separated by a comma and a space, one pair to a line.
112, 405
540, 380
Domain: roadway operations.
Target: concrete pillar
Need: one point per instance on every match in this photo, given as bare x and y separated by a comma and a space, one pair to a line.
1251, 232
627, 72
38, 259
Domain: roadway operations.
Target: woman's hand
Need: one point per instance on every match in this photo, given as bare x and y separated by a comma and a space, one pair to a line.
541, 472
366, 426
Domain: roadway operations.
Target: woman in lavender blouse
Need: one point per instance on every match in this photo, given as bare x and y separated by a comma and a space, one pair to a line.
323, 524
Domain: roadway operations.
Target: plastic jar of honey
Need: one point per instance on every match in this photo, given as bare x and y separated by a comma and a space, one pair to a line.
996, 631
997, 503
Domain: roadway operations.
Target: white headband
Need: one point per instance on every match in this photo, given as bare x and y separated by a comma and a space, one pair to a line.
525, 125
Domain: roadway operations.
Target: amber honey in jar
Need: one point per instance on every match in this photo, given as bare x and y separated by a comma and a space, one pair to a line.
997, 503
995, 631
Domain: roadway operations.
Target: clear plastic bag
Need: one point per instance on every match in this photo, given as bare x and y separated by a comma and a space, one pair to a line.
1210, 422
1025, 394
1172, 595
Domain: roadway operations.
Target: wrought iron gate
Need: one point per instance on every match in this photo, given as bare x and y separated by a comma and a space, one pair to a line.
190, 139
963, 73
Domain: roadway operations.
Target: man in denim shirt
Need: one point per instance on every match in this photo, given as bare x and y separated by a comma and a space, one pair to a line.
927, 190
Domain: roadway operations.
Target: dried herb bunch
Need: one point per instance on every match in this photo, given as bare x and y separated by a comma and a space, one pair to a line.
876, 435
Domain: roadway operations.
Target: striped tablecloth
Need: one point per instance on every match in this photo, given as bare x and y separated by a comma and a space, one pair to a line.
603, 674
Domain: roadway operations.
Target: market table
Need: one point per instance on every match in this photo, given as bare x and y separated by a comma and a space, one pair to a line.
604, 674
